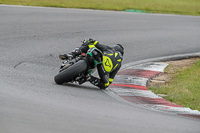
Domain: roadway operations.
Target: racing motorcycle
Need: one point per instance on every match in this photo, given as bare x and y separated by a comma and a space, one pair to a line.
80, 68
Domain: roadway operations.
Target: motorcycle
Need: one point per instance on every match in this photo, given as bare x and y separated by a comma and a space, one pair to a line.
80, 68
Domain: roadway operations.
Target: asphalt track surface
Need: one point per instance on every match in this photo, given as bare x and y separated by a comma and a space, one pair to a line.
31, 39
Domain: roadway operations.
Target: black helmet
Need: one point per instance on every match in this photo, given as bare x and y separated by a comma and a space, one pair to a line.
119, 47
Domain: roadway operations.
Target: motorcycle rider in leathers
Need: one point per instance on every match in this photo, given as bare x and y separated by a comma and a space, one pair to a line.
111, 61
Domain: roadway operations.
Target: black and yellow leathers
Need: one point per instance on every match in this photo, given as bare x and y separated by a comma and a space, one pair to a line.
111, 63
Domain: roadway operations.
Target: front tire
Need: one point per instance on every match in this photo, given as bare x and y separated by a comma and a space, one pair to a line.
71, 72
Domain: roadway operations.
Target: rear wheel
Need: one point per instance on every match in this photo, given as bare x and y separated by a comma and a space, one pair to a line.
71, 72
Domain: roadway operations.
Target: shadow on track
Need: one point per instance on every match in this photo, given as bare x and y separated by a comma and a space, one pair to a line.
74, 85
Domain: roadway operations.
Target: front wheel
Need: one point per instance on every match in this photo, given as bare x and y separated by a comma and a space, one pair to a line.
71, 72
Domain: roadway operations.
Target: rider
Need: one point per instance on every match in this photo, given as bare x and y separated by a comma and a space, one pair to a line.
112, 59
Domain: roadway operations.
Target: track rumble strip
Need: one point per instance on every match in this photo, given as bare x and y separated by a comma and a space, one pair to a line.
130, 85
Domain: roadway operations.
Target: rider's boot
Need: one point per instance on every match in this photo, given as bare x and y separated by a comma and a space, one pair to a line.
85, 79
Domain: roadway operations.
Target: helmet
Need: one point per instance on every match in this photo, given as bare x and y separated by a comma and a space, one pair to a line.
119, 47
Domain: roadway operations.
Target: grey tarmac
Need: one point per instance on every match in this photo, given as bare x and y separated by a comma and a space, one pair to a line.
31, 39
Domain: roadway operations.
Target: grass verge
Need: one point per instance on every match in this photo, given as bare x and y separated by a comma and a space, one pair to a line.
183, 7
184, 88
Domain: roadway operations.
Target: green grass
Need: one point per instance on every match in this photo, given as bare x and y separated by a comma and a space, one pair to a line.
184, 89
185, 7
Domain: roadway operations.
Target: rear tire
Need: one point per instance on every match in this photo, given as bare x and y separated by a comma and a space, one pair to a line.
71, 72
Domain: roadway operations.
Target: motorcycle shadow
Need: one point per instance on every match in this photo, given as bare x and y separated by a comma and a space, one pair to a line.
83, 86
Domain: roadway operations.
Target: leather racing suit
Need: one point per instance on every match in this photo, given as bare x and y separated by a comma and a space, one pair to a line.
110, 65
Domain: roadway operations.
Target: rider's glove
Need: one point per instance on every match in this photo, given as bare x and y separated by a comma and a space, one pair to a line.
76, 52
92, 41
